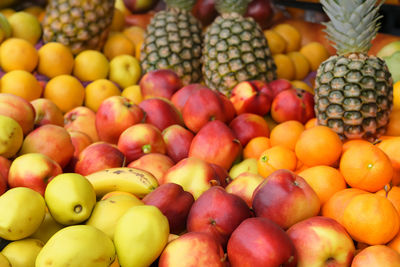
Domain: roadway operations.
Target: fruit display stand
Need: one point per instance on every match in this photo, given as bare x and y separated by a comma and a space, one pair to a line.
199, 133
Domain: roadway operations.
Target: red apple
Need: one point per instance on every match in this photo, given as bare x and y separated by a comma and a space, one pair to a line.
99, 156
321, 241
33, 170
244, 185
47, 112
262, 12
5, 164
79, 140
177, 141
228, 108
52, 140
3, 185
222, 174
204, 10
193, 249
247, 97
209, 214
115, 115
201, 107
139, 6
285, 198
19, 109
160, 112
247, 126
140, 139
193, 174
216, 143
82, 119
293, 104
259, 242
277, 86
173, 202
160, 83
180, 97
155, 163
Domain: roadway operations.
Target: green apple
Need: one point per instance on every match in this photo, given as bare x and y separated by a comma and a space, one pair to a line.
125, 70
393, 63
389, 49
25, 26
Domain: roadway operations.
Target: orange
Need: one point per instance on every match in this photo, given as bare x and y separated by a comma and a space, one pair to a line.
65, 91
318, 145
315, 53
396, 96
18, 54
138, 50
275, 158
366, 167
393, 127
133, 93
391, 147
99, 90
291, 35
395, 243
55, 59
286, 134
325, 181
302, 85
21, 83
354, 142
256, 146
34, 10
276, 43
371, 219
285, 68
376, 256
135, 34
91, 65
311, 123
118, 44
301, 65
335, 205
393, 194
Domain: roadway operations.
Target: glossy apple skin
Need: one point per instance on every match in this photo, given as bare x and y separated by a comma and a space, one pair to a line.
216, 143
244, 185
177, 140
139, 6
46, 112
82, 119
321, 240
19, 109
193, 249
217, 213
204, 10
160, 83
180, 97
277, 86
193, 174
259, 242
33, 170
52, 140
115, 115
228, 107
4, 168
80, 141
262, 12
247, 126
155, 163
201, 107
140, 139
160, 112
99, 156
293, 104
285, 198
222, 174
173, 202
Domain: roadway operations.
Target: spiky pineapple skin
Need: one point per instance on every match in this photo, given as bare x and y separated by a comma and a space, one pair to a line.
354, 96
173, 41
78, 24
235, 49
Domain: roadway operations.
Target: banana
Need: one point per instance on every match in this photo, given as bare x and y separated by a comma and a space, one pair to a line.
132, 180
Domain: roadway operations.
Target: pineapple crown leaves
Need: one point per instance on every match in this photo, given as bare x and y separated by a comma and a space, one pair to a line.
181, 4
232, 6
353, 24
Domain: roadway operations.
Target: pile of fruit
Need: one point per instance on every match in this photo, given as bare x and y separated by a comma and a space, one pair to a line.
196, 133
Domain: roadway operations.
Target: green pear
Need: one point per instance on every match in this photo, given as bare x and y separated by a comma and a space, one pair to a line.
11, 136
107, 212
4, 261
140, 236
23, 253
70, 198
393, 63
47, 228
77, 246
247, 165
25, 26
22, 211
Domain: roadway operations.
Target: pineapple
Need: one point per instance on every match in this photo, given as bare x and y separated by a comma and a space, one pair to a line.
235, 49
173, 41
353, 91
78, 24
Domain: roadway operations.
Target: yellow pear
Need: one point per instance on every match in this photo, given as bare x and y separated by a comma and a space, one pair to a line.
77, 246
23, 253
47, 229
22, 211
140, 236
4, 261
107, 212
